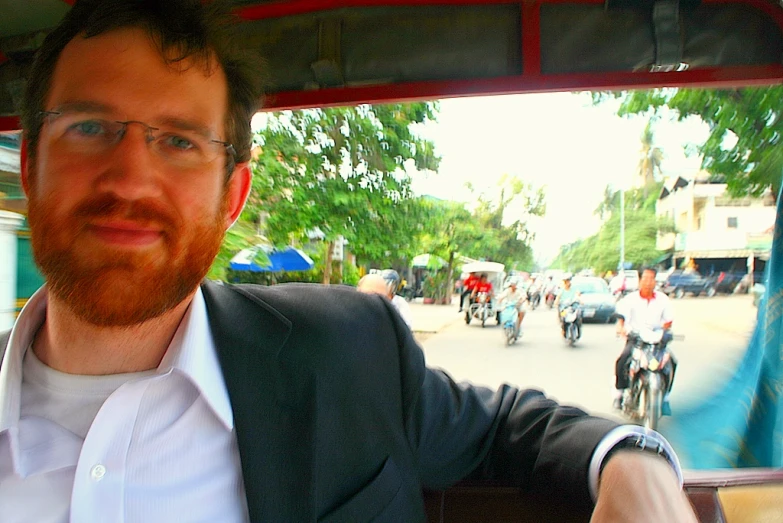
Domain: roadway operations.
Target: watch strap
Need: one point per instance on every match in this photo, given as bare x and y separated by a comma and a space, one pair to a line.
631, 437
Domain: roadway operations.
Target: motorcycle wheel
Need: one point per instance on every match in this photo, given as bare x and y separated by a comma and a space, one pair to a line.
483, 316
509, 335
653, 400
467, 317
571, 334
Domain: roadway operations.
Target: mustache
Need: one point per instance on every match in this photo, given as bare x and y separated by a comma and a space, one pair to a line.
145, 212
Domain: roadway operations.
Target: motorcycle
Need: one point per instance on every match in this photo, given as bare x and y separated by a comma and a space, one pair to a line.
510, 321
650, 375
534, 298
481, 309
572, 328
550, 299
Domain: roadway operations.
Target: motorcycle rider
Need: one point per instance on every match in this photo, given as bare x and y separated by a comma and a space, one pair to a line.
482, 285
512, 295
642, 309
534, 292
566, 297
467, 288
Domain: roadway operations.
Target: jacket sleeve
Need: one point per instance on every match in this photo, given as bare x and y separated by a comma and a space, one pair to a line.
509, 436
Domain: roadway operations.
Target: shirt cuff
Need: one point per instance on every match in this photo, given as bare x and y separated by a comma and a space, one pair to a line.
649, 438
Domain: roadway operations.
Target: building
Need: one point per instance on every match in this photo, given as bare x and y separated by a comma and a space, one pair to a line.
713, 231
19, 277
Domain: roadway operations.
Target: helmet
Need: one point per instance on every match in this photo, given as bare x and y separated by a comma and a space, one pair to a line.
392, 280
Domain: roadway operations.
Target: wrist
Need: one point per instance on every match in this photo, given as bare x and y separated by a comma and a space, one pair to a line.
634, 440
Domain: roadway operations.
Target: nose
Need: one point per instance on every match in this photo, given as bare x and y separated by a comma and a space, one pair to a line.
132, 171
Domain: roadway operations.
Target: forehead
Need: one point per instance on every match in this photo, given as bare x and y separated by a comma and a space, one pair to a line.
123, 70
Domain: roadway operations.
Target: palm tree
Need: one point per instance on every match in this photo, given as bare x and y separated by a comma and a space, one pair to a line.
650, 159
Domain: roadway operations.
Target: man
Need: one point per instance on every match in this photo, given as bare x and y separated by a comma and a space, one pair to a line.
567, 296
642, 309
467, 288
134, 391
385, 284
512, 295
482, 285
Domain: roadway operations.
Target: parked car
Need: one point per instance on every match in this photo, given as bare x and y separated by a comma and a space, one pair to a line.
598, 304
679, 283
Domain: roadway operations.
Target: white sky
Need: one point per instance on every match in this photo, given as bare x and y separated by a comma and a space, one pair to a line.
557, 140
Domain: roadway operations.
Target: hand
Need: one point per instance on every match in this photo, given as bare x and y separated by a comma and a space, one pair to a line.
637, 487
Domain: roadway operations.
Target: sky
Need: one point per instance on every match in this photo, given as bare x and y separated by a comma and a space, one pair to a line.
559, 141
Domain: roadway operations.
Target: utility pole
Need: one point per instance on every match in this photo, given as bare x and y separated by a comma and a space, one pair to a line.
622, 230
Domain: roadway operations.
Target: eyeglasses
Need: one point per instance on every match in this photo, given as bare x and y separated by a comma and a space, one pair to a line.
179, 146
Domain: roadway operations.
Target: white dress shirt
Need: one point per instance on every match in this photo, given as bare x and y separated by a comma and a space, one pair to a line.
643, 313
156, 446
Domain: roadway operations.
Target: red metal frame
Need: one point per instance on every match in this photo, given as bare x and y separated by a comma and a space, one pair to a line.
531, 79
764, 75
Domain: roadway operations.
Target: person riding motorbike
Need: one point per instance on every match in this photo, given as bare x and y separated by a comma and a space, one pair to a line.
512, 295
534, 292
642, 309
467, 288
567, 296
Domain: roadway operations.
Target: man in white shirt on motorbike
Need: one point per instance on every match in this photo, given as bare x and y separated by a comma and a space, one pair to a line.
642, 309
512, 295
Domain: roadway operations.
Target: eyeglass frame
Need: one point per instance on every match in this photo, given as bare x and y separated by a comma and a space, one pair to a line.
229, 147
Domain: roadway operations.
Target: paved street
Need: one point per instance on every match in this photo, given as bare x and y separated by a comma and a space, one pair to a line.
715, 333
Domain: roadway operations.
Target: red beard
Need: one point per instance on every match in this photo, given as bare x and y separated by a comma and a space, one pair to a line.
118, 289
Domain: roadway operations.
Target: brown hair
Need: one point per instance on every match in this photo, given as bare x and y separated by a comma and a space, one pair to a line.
181, 29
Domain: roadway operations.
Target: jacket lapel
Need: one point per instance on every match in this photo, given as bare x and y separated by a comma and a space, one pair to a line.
273, 398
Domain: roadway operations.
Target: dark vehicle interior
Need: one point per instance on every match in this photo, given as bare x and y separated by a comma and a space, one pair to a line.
337, 52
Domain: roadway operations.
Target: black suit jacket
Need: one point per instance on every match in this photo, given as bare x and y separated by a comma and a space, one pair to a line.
338, 419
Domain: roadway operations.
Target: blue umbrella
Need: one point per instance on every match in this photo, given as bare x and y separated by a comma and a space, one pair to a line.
288, 259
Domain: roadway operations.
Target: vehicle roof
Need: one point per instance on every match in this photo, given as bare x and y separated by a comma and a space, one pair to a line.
484, 267
332, 52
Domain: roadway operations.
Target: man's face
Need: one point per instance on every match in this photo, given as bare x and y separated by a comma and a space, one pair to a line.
123, 235
647, 282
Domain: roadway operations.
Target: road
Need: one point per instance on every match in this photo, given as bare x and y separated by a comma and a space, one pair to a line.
715, 331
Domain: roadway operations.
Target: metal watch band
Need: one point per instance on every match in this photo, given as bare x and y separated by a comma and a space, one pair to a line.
630, 437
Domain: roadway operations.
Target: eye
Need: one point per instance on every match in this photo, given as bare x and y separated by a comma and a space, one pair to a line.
88, 128
179, 143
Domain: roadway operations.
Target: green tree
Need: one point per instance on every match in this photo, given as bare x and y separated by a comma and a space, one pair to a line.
601, 250
650, 159
450, 231
342, 171
505, 241
744, 146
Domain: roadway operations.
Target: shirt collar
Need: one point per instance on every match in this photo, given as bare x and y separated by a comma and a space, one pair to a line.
27, 324
192, 352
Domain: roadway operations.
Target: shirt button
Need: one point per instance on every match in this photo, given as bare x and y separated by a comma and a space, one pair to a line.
97, 472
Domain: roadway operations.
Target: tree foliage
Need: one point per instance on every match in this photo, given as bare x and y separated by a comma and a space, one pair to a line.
342, 171
452, 230
601, 251
744, 146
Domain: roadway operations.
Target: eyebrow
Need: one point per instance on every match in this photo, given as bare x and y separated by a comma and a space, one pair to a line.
167, 121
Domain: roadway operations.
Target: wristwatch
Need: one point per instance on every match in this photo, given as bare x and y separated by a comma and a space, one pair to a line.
630, 437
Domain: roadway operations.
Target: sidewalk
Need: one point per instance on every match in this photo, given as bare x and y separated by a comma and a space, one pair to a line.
431, 318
